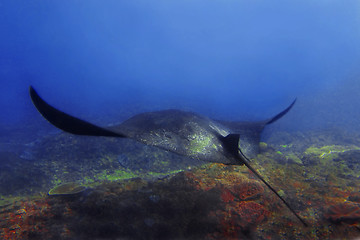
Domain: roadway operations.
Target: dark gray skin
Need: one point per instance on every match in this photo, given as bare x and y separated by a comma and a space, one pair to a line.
184, 133
192, 135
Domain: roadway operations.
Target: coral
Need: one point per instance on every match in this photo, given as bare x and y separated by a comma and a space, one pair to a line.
247, 189
354, 197
240, 218
27, 221
227, 196
346, 212
212, 201
249, 213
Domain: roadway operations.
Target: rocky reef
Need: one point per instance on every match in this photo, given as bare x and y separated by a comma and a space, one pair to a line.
128, 191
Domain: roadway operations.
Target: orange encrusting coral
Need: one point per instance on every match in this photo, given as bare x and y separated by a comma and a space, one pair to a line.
249, 214
239, 194
29, 219
347, 212
247, 189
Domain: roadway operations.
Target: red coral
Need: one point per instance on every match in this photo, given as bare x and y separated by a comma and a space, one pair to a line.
240, 217
29, 218
247, 190
227, 196
346, 212
200, 181
250, 214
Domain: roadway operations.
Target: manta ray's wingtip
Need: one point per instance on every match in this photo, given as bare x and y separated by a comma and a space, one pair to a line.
35, 98
281, 114
67, 122
32, 91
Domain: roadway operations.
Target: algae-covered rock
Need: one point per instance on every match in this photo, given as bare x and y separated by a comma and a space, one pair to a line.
4, 202
328, 152
263, 146
294, 159
67, 189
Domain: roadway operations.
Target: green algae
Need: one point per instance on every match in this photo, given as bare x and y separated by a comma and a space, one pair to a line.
281, 193
263, 146
56, 181
158, 174
88, 180
328, 160
329, 152
5, 201
292, 157
115, 175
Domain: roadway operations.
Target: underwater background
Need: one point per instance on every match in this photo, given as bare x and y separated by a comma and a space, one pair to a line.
106, 61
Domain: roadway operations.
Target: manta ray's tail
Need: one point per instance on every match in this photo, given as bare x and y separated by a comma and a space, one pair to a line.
247, 164
231, 142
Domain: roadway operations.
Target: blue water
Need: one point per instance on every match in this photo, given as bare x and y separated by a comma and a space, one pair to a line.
108, 60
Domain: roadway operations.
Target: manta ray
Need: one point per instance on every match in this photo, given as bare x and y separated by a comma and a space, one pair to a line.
184, 133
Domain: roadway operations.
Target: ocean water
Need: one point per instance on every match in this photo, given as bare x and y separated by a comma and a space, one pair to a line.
106, 61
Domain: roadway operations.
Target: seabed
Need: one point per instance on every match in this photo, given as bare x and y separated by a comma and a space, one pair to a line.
62, 186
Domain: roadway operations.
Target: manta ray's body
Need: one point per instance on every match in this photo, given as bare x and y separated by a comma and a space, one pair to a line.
184, 133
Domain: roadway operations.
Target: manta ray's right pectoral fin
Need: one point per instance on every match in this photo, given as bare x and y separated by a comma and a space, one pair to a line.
67, 122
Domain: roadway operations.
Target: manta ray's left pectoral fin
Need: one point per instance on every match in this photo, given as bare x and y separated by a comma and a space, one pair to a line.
67, 122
